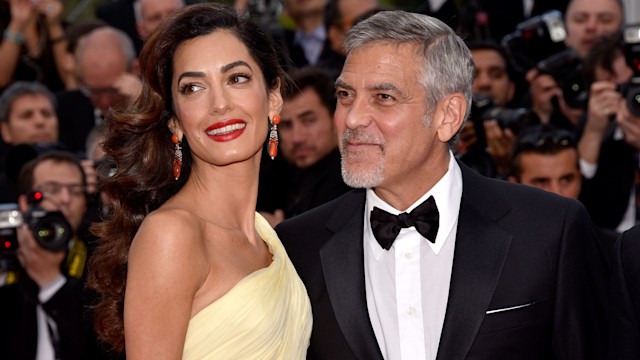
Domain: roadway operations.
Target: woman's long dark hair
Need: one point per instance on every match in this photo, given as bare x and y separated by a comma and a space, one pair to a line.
139, 142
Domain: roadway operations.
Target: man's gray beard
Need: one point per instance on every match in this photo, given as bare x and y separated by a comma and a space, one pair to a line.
363, 179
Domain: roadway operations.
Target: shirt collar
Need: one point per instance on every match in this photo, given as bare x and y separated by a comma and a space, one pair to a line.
319, 35
448, 194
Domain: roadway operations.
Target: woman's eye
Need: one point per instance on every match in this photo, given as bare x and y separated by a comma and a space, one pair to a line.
240, 78
189, 89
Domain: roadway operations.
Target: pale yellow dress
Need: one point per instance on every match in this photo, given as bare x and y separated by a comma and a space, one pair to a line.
267, 315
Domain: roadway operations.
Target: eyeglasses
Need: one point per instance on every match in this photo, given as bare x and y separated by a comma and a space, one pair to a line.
53, 188
544, 140
89, 91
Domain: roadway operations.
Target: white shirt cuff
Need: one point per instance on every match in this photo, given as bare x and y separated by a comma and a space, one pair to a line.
588, 169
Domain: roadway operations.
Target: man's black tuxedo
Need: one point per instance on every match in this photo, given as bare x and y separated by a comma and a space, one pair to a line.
516, 247
625, 297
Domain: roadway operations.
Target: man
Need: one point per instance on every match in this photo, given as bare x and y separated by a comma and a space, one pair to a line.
307, 43
42, 311
309, 142
547, 158
588, 20
484, 145
610, 139
624, 337
150, 13
27, 116
488, 274
104, 60
340, 16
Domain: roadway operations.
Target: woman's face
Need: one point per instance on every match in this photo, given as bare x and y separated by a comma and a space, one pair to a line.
220, 98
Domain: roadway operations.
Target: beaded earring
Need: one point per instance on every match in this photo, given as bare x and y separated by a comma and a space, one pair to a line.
273, 136
177, 156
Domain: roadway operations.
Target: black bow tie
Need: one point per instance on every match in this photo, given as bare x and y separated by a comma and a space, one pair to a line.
386, 226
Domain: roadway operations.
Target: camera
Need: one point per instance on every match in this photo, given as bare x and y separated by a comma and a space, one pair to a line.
483, 108
535, 39
50, 228
567, 69
631, 48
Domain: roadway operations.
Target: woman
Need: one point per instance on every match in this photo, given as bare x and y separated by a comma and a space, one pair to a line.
33, 46
206, 276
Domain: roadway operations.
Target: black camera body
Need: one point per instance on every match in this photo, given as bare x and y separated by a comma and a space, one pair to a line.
50, 228
631, 47
567, 70
483, 108
535, 39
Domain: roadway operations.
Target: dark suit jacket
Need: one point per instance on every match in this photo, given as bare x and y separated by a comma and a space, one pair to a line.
624, 339
515, 246
75, 119
18, 326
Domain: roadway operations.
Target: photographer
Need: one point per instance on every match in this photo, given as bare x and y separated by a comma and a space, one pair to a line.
585, 21
42, 311
485, 141
610, 139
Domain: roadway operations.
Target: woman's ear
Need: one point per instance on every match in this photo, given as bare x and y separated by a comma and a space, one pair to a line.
275, 100
450, 113
174, 125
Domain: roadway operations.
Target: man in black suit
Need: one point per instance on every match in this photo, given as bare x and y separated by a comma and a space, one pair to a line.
624, 339
480, 268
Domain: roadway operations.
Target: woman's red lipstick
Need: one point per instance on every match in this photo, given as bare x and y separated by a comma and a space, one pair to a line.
226, 130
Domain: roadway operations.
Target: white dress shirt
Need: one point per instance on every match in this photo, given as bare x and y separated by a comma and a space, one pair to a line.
46, 326
407, 287
311, 43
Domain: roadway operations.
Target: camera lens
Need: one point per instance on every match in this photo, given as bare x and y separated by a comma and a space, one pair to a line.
50, 229
633, 100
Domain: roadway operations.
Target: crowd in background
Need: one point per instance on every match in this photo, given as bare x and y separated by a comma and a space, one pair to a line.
557, 106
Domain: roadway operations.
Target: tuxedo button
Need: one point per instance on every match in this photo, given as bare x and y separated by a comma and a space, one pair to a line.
408, 255
411, 311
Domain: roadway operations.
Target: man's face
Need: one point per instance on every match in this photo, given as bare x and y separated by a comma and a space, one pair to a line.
557, 173
385, 138
587, 20
99, 71
307, 133
32, 120
62, 187
153, 12
491, 77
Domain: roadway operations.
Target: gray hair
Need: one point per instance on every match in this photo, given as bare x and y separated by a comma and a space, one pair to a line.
448, 66
19, 89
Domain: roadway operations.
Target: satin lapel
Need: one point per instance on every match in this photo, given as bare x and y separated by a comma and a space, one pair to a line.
343, 267
480, 252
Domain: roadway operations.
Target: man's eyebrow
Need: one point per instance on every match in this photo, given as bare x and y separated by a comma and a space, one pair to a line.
342, 84
384, 87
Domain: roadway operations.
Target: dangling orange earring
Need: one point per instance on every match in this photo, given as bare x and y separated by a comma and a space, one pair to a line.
177, 156
273, 136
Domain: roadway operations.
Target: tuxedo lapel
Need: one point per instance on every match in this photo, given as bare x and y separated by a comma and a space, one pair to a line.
342, 260
480, 252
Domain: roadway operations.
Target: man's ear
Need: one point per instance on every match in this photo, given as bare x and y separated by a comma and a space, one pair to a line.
4, 131
449, 116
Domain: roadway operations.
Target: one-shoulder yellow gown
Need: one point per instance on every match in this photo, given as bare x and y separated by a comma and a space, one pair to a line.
267, 315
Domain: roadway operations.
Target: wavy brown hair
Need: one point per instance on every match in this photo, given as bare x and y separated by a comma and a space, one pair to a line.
139, 142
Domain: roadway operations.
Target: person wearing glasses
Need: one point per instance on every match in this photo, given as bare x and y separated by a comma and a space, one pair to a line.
105, 65
42, 309
27, 117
